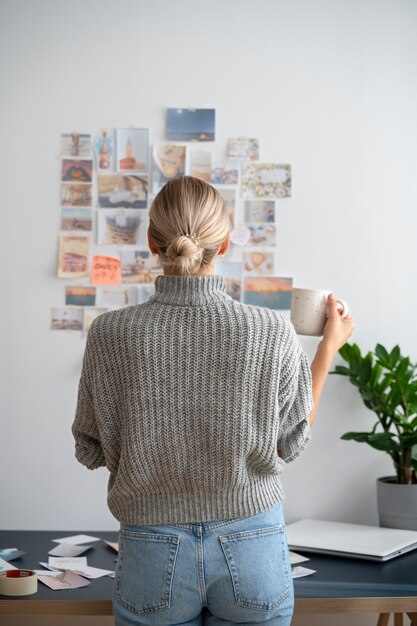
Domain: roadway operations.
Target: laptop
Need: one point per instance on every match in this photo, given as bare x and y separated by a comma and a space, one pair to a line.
371, 543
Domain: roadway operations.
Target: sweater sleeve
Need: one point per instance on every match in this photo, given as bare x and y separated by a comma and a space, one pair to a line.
295, 399
88, 449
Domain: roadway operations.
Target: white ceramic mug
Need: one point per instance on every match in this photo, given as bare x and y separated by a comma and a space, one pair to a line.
309, 311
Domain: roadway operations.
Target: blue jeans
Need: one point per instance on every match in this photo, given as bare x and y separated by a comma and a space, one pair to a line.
234, 571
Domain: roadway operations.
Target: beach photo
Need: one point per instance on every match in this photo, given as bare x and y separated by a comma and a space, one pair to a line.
67, 318
190, 124
268, 291
132, 149
140, 266
76, 219
129, 191
80, 295
76, 145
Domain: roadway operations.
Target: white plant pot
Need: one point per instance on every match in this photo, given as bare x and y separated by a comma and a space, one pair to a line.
397, 504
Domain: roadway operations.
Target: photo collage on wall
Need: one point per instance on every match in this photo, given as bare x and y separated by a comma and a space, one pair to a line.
107, 183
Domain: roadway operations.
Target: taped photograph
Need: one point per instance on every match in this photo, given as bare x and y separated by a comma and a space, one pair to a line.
225, 173
258, 262
132, 149
80, 295
67, 318
191, 124
76, 219
262, 235
268, 291
78, 171
261, 211
104, 151
243, 148
90, 314
76, 194
168, 162
140, 266
122, 227
73, 256
76, 145
266, 180
129, 191
200, 165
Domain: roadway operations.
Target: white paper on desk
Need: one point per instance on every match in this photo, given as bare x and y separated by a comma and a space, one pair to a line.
47, 572
52, 569
76, 540
5, 565
67, 549
299, 572
62, 562
112, 544
65, 580
91, 572
297, 558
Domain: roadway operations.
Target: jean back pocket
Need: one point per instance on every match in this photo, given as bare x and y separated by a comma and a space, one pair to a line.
145, 571
259, 567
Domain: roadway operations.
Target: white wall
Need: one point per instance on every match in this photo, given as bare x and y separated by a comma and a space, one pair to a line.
327, 85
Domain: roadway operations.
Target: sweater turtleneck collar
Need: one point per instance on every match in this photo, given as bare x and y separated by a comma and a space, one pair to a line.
190, 290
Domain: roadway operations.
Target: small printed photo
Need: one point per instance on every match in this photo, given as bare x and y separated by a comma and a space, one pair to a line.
76, 145
262, 235
105, 270
104, 151
90, 314
232, 273
268, 291
76, 195
200, 165
229, 196
140, 266
122, 227
260, 211
76, 219
80, 295
139, 294
225, 173
191, 124
77, 171
243, 148
73, 256
129, 191
168, 162
132, 149
67, 318
266, 180
258, 262
114, 297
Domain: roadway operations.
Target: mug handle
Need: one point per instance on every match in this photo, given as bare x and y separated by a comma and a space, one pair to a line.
342, 306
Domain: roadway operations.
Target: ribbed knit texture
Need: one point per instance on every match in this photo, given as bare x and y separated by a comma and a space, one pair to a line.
194, 402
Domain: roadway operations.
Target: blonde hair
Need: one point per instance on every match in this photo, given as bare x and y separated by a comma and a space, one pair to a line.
188, 221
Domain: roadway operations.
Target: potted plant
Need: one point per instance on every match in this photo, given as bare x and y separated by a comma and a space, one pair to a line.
387, 384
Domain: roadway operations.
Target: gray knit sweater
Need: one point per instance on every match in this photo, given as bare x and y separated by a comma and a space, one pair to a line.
194, 402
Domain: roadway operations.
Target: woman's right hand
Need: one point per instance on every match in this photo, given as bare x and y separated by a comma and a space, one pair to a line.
337, 329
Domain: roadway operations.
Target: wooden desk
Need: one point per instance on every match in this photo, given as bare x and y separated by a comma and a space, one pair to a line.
340, 585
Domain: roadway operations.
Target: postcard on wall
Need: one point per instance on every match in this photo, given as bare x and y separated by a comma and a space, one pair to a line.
122, 227
200, 165
266, 180
129, 191
260, 211
77, 171
243, 148
76, 219
258, 262
105, 270
67, 318
80, 295
104, 151
232, 273
76, 145
73, 256
168, 161
113, 297
90, 314
132, 149
191, 124
76, 194
139, 294
225, 173
229, 196
262, 235
268, 291
140, 266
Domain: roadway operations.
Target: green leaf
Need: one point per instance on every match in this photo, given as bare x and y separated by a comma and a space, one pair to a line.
381, 353
394, 356
365, 369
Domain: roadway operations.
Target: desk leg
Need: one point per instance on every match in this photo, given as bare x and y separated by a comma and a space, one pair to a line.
383, 619
398, 619
413, 618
